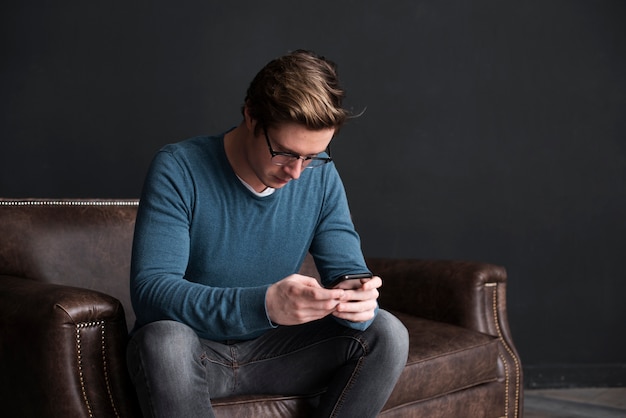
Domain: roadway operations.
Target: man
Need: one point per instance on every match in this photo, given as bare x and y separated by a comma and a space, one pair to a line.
223, 227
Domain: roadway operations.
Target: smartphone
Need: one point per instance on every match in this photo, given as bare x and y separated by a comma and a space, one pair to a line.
349, 277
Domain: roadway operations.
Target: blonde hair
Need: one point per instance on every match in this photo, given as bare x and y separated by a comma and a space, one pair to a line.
300, 87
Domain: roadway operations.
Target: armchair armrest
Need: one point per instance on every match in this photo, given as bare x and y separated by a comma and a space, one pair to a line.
61, 349
463, 293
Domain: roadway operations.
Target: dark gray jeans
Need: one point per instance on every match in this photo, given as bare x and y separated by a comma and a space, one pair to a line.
176, 373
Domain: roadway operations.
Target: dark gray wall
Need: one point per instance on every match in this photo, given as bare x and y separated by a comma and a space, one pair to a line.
494, 130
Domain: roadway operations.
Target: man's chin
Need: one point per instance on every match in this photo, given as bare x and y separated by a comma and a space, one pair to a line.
277, 182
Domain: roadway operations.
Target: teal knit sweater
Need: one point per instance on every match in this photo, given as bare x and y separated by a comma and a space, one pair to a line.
206, 248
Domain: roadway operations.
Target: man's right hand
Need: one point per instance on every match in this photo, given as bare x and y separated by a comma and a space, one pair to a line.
298, 299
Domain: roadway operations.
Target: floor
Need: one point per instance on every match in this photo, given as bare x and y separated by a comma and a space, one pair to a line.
575, 403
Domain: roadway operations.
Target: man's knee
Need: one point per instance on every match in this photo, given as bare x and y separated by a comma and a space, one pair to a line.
391, 335
166, 343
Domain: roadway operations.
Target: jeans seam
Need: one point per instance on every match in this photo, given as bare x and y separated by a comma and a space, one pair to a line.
234, 367
144, 378
352, 379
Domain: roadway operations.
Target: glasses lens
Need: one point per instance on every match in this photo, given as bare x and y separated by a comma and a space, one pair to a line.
315, 163
283, 159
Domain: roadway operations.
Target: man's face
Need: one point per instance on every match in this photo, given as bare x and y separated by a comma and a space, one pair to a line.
290, 138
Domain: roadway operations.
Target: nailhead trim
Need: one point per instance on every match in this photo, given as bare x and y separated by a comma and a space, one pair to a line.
79, 327
511, 353
68, 203
506, 384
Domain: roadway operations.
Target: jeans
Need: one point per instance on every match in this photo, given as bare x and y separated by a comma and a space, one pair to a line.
176, 373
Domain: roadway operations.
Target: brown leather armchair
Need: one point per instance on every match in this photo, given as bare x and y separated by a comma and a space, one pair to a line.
65, 306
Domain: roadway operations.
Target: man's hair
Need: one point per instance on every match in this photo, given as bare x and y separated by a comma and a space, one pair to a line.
300, 87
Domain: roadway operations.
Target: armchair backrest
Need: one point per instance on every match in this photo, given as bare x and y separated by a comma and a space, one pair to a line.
80, 242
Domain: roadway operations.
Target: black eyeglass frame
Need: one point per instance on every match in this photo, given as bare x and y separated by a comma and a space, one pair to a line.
306, 160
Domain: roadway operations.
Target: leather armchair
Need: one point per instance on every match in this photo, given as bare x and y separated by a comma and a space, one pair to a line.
65, 310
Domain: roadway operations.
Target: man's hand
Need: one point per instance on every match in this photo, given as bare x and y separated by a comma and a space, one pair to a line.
298, 299
359, 304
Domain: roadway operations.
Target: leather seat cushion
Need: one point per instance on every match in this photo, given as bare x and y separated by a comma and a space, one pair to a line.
443, 358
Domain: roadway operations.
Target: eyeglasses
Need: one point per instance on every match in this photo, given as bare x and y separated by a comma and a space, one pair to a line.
287, 158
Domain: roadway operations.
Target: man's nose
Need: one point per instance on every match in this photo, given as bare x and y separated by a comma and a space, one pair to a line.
295, 168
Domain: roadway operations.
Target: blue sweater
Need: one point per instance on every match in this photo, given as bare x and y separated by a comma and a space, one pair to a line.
206, 249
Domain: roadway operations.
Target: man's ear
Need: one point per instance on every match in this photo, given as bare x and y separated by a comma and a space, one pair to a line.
248, 120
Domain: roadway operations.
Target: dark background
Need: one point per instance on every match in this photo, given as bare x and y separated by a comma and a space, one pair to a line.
494, 131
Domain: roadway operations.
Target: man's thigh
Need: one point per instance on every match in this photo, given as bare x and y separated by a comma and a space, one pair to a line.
288, 360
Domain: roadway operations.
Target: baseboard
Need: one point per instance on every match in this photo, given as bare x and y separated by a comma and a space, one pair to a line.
574, 376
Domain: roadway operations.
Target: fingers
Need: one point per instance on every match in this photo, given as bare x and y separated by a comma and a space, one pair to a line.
356, 311
299, 299
313, 288
360, 304
373, 283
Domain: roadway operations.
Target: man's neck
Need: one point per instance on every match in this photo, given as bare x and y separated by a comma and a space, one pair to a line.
235, 146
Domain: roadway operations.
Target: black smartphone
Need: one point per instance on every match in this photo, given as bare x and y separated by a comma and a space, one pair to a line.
347, 277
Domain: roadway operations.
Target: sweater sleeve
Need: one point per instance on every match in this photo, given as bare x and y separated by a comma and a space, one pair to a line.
336, 246
160, 257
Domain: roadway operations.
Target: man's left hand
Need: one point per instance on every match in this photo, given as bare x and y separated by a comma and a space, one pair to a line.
359, 304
